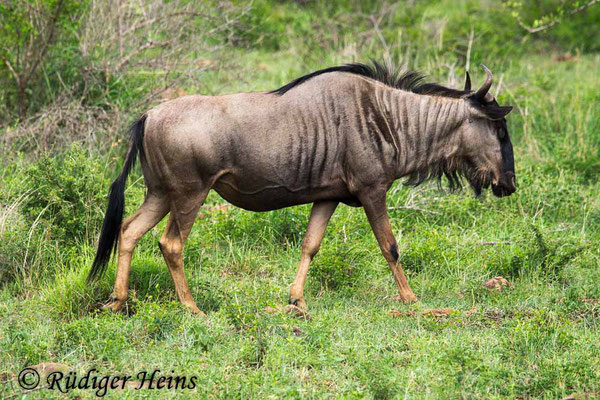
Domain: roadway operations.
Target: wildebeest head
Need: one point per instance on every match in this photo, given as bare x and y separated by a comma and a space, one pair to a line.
486, 150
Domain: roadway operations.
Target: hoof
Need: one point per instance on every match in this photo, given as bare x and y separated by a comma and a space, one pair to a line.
113, 305
296, 311
298, 302
194, 310
406, 298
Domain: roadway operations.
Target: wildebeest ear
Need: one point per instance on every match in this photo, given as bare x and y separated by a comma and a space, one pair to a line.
488, 111
497, 112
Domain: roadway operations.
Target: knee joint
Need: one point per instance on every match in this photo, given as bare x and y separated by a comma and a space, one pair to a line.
127, 240
310, 249
170, 248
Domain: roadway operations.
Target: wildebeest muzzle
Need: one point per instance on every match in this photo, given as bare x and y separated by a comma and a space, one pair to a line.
505, 186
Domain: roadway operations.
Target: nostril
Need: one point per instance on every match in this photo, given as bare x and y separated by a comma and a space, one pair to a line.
510, 178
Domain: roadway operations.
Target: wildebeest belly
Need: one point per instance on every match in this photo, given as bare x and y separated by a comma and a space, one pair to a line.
256, 195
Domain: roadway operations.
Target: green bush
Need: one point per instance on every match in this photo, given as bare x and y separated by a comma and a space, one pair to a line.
67, 193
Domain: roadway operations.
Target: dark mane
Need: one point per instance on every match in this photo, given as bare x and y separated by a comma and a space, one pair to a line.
410, 81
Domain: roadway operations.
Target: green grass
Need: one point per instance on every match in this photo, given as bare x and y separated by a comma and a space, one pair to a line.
537, 338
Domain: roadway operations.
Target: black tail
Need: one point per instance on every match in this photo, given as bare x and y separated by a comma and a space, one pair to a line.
116, 203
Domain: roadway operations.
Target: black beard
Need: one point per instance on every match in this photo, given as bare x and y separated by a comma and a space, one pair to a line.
477, 180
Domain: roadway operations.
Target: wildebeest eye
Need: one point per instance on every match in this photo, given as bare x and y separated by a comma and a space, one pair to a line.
501, 133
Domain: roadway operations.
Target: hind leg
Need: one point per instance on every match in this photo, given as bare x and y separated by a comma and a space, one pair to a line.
183, 214
132, 230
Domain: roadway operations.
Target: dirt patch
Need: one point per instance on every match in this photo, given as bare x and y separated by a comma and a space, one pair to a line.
50, 367
590, 301
563, 57
496, 284
297, 331
582, 396
296, 311
589, 311
6, 376
438, 312
495, 315
591, 315
398, 313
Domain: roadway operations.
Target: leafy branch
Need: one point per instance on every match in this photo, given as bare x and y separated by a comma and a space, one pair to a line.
549, 20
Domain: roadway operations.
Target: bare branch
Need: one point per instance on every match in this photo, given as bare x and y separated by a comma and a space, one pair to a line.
499, 86
229, 22
46, 43
154, 20
469, 47
12, 71
145, 46
375, 20
380, 36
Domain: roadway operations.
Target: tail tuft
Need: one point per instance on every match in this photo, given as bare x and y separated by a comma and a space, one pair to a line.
111, 226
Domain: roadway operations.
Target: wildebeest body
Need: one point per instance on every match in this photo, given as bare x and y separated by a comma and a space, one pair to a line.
264, 152
342, 134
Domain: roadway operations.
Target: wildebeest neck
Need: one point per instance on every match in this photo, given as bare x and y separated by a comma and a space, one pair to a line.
422, 128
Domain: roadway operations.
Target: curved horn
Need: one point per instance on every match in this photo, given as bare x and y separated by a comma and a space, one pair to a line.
482, 91
467, 82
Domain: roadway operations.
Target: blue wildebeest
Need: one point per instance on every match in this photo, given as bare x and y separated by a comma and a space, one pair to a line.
341, 134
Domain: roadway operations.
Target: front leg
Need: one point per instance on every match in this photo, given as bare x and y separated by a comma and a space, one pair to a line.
374, 204
320, 214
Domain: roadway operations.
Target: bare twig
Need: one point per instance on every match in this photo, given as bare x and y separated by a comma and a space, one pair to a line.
12, 71
375, 23
154, 20
145, 46
469, 47
229, 22
499, 87
120, 27
375, 20
47, 41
